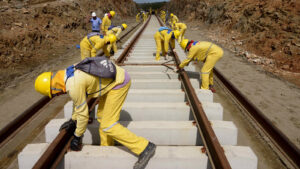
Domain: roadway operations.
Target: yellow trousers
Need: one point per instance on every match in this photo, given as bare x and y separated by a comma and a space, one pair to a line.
181, 36
109, 109
159, 46
114, 46
207, 69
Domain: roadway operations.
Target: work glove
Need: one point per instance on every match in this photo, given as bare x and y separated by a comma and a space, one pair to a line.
112, 52
76, 143
69, 126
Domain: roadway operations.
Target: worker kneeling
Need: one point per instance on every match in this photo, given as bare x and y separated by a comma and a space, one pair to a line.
206, 52
115, 30
162, 37
96, 77
94, 42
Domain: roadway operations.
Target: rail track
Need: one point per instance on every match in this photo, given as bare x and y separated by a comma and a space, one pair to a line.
155, 84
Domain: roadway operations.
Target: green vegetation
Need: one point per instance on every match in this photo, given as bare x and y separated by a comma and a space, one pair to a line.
155, 5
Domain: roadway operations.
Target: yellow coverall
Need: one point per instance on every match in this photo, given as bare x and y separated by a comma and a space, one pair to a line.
90, 50
173, 20
145, 17
208, 53
137, 17
162, 40
163, 16
182, 28
116, 31
106, 22
83, 85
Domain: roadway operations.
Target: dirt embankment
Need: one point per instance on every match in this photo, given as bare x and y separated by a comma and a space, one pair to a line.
34, 31
270, 29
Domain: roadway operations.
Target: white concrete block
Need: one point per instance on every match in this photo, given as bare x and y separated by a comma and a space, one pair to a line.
31, 154
155, 84
204, 95
108, 157
153, 75
155, 95
159, 132
148, 69
240, 157
213, 111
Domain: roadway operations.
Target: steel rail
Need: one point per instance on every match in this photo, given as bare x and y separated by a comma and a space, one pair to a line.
12, 128
60, 145
281, 140
215, 151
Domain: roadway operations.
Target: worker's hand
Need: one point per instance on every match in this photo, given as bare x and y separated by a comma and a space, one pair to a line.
76, 143
112, 52
69, 126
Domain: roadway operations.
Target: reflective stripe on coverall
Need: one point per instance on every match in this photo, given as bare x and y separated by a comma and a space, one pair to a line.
208, 53
116, 31
90, 50
106, 22
112, 98
182, 28
162, 40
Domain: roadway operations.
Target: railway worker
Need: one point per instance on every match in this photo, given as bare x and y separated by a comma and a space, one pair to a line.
163, 16
116, 30
162, 37
96, 22
137, 17
173, 20
93, 42
109, 82
145, 16
206, 52
182, 28
107, 21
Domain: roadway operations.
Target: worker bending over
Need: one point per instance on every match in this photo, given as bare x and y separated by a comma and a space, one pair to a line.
182, 28
115, 30
206, 52
96, 77
145, 16
173, 20
163, 16
93, 42
106, 21
137, 17
163, 37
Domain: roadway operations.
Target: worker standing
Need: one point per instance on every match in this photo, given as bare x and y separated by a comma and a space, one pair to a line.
107, 21
182, 28
93, 42
173, 20
116, 30
92, 78
145, 16
163, 16
137, 17
206, 52
96, 22
162, 37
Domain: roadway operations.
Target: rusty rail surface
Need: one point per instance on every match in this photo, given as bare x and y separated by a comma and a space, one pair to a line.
282, 142
215, 151
12, 128
60, 145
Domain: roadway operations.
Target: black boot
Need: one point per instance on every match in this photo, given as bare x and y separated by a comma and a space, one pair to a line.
145, 156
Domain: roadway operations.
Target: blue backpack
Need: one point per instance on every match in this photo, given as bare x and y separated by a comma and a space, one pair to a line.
164, 28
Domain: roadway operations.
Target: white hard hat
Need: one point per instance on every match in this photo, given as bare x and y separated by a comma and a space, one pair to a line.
94, 14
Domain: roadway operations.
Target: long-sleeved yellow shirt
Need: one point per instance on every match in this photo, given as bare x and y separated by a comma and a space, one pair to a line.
180, 26
106, 22
167, 38
94, 44
83, 85
174, 19
116, 31
199, 51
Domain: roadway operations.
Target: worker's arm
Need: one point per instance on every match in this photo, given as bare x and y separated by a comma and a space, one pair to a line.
118, 32
80, 111
190, 57
98, 45
106, 49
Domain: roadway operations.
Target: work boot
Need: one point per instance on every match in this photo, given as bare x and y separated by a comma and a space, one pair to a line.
145, 156
211, 87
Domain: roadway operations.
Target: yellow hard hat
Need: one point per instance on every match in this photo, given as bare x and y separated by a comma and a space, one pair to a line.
176, 34
183, 43
43, 84
171, 14
112, 13
112, 38
124, 26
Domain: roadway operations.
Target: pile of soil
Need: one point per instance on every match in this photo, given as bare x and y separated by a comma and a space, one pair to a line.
270, 29
34, 31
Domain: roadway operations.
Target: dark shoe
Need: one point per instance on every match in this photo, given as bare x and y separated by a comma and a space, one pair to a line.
145, 156
212, 89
